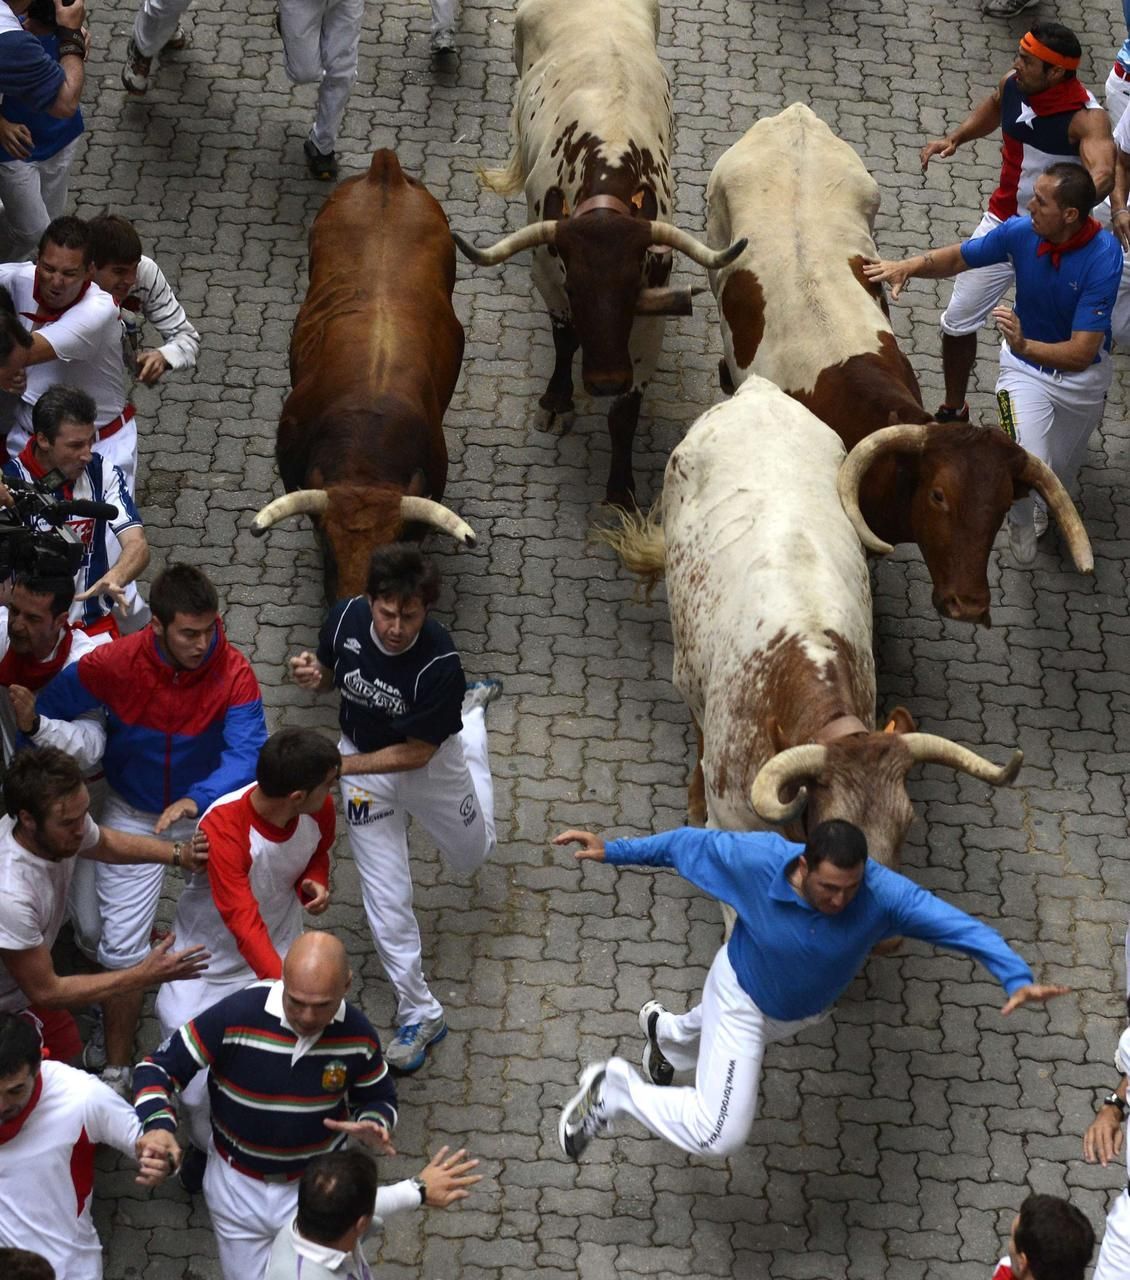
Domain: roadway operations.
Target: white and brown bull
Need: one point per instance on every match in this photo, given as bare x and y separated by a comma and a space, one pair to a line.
374, 358
796, 309
771, 611
592, 131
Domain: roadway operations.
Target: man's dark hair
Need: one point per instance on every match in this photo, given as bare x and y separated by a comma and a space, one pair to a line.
68, 232
1059, 39
336, 1189
1074, 187
20, 1046
12, 332
402, 572
59, 404
38, 777
294, 760
837, 842
181, 588
22, 1264
1055, 1237
113, 240
61, 590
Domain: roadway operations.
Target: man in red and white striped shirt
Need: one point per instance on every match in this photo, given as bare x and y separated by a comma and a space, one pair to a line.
269, 862
51, 1119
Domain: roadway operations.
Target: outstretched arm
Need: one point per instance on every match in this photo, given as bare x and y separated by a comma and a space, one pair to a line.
934, 264
984, 119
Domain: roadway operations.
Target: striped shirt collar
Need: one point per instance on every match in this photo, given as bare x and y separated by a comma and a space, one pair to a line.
274, 1006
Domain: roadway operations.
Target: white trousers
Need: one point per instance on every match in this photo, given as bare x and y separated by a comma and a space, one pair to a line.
443, 15
246, 1216
33, 194
320, 39
1052, 416
1117, 97
452, 796
155, 24
1114, 1254
723, 1040
177, 1003
114, 908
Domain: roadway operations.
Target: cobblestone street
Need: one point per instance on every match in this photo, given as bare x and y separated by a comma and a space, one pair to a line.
897, 1139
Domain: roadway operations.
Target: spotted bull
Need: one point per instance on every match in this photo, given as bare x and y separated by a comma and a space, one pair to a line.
374, 358
796, 309
592, 133
771, 612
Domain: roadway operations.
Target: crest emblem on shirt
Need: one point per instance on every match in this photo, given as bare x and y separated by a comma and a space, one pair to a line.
334, 1076
352, 645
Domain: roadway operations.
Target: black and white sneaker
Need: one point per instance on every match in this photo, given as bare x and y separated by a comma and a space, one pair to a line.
656, 1068
584, 1115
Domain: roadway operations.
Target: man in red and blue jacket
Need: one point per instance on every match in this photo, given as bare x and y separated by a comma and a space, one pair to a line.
184, 725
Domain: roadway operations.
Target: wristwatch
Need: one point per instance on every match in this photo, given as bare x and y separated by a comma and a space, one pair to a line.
421, 1187
1113, 1100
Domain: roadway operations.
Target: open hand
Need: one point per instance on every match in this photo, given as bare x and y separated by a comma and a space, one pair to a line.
185, 808
1103, 1140
943, 148
592, 847
448, 1178
163, 964
1033, 993
368, 1132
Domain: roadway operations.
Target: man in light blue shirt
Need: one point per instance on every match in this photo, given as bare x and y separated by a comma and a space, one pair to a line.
808, 916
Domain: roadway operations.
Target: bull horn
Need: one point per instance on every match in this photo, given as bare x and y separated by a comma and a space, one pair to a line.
711, 259
806, 761
301, 502
903, 438
929, 748
672, 300
537, 233
1047, 484
438, 516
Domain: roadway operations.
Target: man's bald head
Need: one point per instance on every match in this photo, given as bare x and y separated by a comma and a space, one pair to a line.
316, 976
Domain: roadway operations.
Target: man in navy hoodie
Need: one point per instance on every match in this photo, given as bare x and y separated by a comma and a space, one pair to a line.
184, 725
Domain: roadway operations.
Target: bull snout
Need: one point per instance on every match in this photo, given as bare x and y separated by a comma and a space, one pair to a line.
608, 384
972, 608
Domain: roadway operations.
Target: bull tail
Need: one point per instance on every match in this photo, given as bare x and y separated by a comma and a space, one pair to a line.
508, 181
638, 541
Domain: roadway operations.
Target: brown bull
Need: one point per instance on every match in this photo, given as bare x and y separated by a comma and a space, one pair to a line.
374, 359
797, 310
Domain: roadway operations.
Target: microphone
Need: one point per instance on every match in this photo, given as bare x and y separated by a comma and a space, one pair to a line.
62, 511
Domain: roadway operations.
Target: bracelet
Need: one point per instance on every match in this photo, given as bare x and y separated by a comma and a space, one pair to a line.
72, 44
176, 854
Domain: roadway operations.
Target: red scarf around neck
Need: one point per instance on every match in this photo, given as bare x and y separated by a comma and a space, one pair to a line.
43, 314
23, 669
1068, 95
1084, 235
10, 1128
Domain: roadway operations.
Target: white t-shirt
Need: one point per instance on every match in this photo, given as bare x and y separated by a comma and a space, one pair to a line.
47, 1169
87, 340
1122, 1062
33, 902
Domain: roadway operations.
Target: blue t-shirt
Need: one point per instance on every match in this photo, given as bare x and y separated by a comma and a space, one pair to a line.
27, 71
791, 959
49, 135
388, 698
1053, 303
1123, 55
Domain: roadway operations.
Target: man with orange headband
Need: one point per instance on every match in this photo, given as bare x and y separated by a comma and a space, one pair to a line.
1055, 355
1045, 115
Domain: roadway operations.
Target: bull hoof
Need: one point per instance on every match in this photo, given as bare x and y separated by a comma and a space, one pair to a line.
557, 422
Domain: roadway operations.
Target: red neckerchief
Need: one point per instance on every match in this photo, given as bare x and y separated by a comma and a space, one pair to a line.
44, 314
1084, 235
10, 1128
23, 669
37, 470
1068, 95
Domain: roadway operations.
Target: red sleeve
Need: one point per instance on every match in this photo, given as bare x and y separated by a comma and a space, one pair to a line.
318, 868
229, 865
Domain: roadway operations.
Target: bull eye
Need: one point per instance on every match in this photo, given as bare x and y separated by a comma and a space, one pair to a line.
937, 497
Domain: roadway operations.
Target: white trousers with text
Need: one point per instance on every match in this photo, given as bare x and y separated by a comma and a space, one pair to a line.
320, 39
453, 798
34, 194
1114, 1253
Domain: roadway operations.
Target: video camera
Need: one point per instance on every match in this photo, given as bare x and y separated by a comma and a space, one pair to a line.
44, 553
43, 11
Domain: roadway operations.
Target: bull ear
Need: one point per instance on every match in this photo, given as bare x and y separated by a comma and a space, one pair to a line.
899, 721
776, 737
645, 201
555, 205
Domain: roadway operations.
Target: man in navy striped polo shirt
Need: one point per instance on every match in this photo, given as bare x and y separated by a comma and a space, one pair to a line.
293, 1071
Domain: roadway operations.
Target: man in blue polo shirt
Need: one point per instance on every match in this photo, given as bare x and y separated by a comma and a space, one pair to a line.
808, 916
29, 73
1055, 366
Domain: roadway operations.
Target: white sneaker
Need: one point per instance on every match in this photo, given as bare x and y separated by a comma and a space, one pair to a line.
120, 1079
1039, 519
1022, 542
585, 1115
411, 1043
655, 1066
443, 41
481, 693
94, 1051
